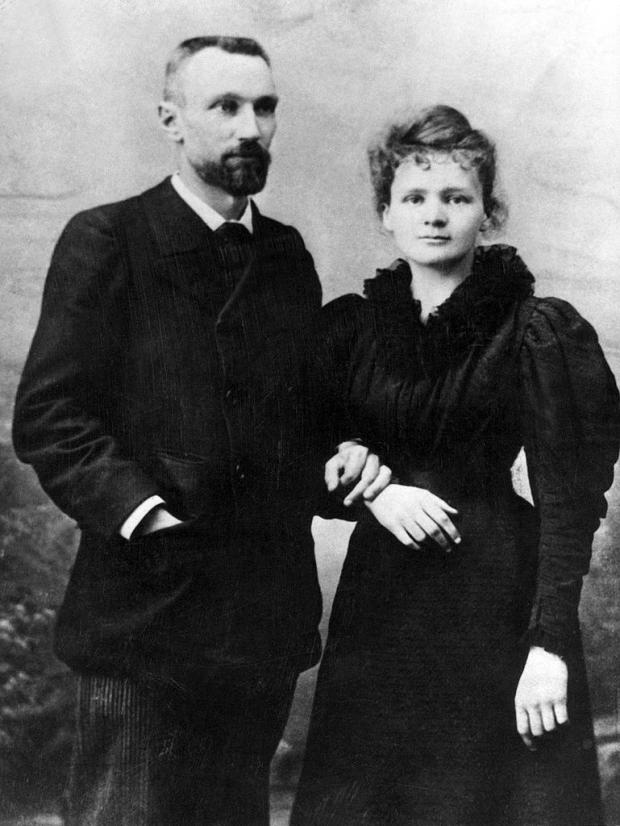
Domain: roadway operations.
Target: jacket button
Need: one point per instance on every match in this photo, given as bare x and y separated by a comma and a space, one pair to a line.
239, 471
231, 396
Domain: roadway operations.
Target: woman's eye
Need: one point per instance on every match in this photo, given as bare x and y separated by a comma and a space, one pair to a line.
458, 199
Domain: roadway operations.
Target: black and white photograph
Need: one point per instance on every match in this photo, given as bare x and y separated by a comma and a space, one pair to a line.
309, 413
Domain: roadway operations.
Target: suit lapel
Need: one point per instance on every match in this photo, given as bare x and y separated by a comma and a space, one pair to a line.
184, 249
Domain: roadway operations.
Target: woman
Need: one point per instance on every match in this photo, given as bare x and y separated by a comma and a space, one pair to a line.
454, 664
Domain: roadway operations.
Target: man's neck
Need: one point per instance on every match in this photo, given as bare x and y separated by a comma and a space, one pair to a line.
228, 206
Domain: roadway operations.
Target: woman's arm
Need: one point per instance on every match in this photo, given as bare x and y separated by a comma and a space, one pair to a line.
570, 422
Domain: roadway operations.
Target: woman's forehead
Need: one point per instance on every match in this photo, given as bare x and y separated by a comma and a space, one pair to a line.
435, 170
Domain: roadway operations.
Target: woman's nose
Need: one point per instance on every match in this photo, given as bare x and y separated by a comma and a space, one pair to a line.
435, 214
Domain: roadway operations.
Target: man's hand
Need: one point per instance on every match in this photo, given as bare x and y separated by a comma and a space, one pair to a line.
156, 520
414, 516
540, 701
355, 463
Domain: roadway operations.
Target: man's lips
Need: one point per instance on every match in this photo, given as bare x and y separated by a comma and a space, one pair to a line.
248, 153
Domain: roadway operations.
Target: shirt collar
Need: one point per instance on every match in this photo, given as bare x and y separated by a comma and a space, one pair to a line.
211, 217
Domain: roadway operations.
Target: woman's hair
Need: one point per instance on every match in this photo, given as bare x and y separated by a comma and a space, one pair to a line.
419, 135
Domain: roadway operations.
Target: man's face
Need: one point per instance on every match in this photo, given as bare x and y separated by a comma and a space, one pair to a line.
226, 120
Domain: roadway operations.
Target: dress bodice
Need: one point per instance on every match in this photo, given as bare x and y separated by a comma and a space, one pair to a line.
449, 403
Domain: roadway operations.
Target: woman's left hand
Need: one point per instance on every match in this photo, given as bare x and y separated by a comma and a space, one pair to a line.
540, 701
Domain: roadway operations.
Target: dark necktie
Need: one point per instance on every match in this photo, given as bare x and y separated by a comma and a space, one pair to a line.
236, 243
231, 232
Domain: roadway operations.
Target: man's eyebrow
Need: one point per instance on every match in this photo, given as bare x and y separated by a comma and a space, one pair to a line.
269, 99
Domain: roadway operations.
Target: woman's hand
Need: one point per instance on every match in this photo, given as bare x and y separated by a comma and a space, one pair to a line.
414, 516
540, 701
355, 463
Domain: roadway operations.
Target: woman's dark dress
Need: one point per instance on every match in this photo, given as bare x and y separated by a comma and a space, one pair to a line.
414, 713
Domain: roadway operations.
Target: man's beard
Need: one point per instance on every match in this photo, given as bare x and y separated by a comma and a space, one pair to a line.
242, 172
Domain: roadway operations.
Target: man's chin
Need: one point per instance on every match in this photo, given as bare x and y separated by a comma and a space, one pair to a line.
245, 178
238, 180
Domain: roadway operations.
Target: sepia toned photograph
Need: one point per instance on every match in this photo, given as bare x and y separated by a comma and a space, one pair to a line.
310, 413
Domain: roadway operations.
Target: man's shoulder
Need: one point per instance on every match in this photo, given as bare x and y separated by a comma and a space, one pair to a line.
114, 211
272, 228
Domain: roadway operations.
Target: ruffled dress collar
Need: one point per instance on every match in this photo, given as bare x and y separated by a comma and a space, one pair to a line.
470, 315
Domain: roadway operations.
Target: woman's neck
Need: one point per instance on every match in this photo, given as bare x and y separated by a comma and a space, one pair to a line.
432, 285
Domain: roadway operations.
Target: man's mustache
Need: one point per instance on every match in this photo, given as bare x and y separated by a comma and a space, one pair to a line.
249, 150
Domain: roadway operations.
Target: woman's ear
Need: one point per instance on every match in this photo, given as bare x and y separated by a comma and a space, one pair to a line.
386, 217
486, 224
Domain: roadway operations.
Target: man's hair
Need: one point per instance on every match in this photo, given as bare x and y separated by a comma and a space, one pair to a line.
419, 135
234, 45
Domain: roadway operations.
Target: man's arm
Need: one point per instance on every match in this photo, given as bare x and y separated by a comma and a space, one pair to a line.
70, 384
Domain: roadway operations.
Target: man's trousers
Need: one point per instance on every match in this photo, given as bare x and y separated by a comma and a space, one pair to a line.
152, 756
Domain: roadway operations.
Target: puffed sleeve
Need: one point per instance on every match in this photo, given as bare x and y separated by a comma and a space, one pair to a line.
571, 425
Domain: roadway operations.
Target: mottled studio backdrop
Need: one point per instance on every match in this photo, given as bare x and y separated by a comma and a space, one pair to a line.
79, 89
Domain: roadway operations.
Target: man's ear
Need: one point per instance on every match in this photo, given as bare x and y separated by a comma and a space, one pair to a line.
386, 217
169, 120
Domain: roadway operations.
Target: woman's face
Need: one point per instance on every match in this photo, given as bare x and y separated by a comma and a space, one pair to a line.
435, 212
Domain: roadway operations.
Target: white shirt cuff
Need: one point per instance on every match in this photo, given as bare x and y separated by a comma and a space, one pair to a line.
134, 519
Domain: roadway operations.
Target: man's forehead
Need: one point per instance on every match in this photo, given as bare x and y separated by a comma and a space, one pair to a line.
213, 71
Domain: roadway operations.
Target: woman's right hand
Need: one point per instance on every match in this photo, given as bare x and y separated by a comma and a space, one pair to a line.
415, 516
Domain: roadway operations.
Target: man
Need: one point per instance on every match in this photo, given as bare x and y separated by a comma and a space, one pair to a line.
162, 408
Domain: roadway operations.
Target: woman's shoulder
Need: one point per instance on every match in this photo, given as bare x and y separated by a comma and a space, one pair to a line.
343, 318
551, 320
344, 304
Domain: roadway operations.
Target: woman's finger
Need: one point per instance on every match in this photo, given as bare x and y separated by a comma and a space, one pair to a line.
561, 712
432, 530
536, 723
443, 505
523, 727
413, 529
439, 516
403, 536
548, 717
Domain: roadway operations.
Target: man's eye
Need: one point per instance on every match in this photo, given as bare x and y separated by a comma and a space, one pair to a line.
414, 199
228, 106
265, 106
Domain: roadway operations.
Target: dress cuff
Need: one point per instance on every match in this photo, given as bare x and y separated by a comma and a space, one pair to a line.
134, 518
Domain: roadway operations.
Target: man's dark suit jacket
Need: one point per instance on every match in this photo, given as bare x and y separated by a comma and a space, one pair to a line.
147, 375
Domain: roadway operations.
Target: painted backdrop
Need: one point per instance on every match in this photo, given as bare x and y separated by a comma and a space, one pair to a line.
79, 89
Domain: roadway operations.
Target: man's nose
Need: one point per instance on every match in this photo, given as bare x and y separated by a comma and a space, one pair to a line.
247, 126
